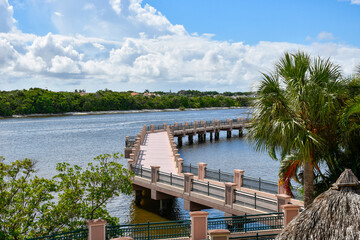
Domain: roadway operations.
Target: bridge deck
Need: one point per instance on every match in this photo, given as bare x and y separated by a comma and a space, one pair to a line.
156, 151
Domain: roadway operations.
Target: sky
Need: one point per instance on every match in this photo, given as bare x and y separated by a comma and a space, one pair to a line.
221, 45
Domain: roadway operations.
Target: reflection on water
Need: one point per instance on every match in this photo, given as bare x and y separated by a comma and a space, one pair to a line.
78, 139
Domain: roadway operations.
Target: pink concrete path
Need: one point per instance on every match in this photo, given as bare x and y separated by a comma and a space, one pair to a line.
156, 151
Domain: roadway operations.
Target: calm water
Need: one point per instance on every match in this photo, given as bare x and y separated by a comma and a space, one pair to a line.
78, 139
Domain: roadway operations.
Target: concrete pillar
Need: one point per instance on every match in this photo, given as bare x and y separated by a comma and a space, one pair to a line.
188, 182
282, 199
229, 193
130, 164
154, 174
96, 229
202, 171
290, 212
176, 124
217, 135
164, 126
127, 139
240, 132
180, 165
205, 137
191, 139
152, 128
219, 234
199, 225
228, 135
211, 136
180, 141
238, 177
177, 156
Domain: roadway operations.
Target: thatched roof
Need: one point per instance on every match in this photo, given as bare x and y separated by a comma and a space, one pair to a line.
335, 214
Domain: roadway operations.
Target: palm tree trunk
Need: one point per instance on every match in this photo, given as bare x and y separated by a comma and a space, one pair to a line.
308, 182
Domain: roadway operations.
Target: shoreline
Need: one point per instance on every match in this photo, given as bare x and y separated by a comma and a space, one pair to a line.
38, 115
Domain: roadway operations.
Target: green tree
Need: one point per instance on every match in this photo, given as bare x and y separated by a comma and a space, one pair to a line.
31, 206
296, 112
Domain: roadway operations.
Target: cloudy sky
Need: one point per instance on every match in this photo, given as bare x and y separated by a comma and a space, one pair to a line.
165, 45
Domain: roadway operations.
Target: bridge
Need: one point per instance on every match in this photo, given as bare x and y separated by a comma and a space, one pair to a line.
153, 157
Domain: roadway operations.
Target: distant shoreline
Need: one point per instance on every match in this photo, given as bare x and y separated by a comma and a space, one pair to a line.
38, 115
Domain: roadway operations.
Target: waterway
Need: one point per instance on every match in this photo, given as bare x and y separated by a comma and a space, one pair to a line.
78, 139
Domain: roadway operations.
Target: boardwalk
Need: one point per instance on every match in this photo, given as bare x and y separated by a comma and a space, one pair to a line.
156, 150
158, 168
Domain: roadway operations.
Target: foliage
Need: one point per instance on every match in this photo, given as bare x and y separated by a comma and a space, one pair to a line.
31, 206
296, 115
40, 101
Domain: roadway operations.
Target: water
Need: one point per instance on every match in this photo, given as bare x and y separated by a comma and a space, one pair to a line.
78, 139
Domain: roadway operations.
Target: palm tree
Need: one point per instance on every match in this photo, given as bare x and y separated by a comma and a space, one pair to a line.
295, 115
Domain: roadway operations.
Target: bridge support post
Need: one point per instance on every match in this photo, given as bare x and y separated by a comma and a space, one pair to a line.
238, 177
154, 174
228, 135
202, 171
229, 194
290, 211
152, 128
180, 165
219, 234
211, 136
191, 139
199, 225
97, 229
217, 134
180, 141
205, 137
241, 132
282, 199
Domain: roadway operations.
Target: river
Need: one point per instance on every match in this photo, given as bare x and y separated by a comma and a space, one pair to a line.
78, 139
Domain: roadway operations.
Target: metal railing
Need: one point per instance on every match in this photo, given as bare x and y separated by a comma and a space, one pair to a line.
141, 171
190, 169
81, 234
221, 176
260, 184
255, 201
248, 223
130, 143
161, 230
172, 179
208, 189
257, 236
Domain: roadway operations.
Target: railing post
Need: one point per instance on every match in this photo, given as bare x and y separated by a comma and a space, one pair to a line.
290, 212
164, 126
152, 128
154, 174
180, 165
229, 193
202, 171
188, 177
282, 199
238, 177
219, 234
97, 229
199, 225
130, 164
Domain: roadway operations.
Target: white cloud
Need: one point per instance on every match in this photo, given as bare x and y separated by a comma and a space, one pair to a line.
6, 16
325, 36
145, 51
59, 14
167, 62
355, 1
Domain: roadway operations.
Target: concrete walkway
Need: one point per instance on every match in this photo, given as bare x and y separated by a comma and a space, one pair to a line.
156, 151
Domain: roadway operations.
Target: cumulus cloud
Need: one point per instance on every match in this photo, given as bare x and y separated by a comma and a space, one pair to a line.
355, 1
140, 49
325, 36
113, 19
166, 62
6, 16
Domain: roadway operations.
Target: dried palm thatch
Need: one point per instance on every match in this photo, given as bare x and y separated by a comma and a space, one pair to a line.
334, 215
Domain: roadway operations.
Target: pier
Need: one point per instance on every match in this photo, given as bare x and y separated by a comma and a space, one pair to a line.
159, 170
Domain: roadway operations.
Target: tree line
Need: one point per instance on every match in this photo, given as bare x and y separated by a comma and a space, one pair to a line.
42, 101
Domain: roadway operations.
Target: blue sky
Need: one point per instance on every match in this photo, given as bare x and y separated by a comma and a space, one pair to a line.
167, 44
